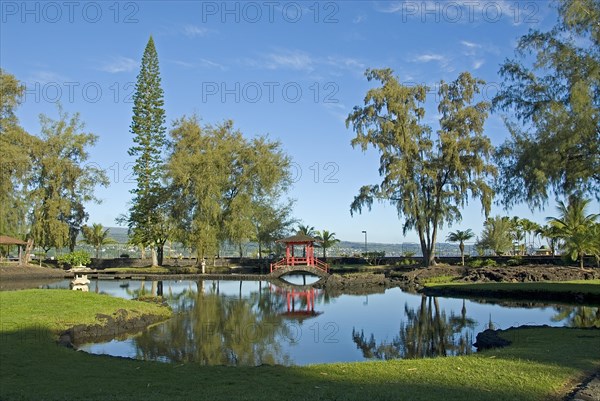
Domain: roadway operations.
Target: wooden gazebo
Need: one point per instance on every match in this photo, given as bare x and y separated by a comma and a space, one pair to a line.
5, 240
306, 262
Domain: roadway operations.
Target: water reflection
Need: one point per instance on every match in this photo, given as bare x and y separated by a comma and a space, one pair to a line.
578, 316
253, 323
214, 329
424, 332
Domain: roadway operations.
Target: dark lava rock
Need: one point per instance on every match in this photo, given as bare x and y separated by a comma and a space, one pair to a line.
490, 339
524, 274
356, 283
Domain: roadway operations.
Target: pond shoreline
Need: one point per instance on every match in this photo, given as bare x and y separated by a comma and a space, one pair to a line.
108, 327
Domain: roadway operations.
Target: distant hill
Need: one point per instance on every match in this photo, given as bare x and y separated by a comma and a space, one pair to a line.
346, 248
119, 234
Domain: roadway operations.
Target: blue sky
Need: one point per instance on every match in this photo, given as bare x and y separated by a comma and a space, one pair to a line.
292, 70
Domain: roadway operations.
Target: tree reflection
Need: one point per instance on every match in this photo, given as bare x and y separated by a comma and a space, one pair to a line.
578, 316
218, 330
426, 332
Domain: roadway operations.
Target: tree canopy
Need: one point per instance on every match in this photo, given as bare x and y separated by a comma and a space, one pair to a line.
554, 107
427, 177
225, 187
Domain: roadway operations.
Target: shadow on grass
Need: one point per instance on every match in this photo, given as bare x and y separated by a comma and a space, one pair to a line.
537, 367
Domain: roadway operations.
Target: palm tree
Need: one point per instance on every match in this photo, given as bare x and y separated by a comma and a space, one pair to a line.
531, 228
306, 230
96, 236
551, 234
596, 242
460, 237
575, 227
517, 234
327, 240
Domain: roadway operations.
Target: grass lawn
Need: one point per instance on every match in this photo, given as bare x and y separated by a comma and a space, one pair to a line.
357, 268
542, 364
575, 291
590, 287
138, 270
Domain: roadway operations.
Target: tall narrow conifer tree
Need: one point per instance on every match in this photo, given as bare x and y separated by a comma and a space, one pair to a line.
147, 220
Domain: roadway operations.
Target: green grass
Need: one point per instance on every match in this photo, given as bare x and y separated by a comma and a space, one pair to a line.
357, 268
570, 292
542, 364
439, 280
138, 270
57, 310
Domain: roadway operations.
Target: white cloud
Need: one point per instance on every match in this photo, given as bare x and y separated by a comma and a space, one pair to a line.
194, 31
464, 11
358, 19
120, 64
426, 58
440, 59
477, 64
45, 77
294, 60
201, 63
470, 45
317, 67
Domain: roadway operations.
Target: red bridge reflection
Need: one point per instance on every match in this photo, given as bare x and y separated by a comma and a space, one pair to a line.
300, 302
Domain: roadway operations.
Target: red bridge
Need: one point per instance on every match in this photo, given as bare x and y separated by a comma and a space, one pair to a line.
305, 263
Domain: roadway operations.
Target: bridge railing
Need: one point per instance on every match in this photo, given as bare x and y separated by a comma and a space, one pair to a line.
321, 265
299, 262
278, 264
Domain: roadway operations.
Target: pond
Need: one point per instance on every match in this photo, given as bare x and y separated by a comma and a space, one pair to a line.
252, 323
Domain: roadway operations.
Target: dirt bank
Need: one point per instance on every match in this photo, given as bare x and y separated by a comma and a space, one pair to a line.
14, 277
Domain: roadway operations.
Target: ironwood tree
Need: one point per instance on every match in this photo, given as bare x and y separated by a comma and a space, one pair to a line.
428, 177
16, 145
221, 183
147, 218
553, 106
60, 181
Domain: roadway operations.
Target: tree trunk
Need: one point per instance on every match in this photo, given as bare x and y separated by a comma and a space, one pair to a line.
97, 252
143, 251
424, 250
25, 255
462, 253
160, 254
581, 261
154, 256
259, 250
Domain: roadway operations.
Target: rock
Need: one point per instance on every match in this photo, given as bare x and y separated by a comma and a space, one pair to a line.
490, 339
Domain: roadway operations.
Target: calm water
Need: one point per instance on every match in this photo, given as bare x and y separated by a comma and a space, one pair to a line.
254, 323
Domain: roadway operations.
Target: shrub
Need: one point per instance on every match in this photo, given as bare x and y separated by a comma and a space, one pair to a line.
77, 258
489, 263
513, 262
124, 255
475, 263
